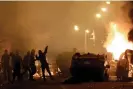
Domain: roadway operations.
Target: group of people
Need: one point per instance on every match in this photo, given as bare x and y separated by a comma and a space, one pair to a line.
12, 63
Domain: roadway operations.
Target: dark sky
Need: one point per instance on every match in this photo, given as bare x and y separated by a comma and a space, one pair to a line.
28, 25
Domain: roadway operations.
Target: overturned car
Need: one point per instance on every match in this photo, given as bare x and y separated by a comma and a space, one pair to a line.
125, 66
87, 67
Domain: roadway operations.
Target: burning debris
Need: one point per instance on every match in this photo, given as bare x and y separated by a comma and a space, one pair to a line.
117, 41
130, 35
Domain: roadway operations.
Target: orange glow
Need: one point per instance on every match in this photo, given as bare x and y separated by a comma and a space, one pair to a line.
117, 41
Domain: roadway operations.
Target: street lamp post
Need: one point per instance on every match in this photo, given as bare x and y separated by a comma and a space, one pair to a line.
76, 28
85, 45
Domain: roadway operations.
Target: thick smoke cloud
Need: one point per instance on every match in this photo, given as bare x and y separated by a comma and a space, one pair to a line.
130, 14
13, 36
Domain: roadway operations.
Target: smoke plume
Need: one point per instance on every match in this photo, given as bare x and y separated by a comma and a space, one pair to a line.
130, 14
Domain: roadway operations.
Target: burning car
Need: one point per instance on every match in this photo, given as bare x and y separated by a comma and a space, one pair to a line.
125, 66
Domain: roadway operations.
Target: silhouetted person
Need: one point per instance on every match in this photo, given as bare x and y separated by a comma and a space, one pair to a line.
17, 60
74, 61
44, 64
32, 64
74, 64
6, 65
26, 62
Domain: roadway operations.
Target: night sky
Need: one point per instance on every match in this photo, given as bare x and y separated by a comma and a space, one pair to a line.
27, 25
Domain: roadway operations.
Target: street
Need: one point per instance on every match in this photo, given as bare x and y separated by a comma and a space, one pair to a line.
56, 84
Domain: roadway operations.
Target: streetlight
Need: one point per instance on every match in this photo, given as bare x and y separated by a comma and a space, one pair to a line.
108, 2
87, 31
104, 9
85, 45
98, 15
76, 28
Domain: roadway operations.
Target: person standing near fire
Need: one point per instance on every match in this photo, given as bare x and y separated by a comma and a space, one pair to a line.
26, 62
44, 63
17, 65
5, 61
32, 65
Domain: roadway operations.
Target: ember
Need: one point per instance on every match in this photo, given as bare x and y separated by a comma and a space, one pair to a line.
117, 41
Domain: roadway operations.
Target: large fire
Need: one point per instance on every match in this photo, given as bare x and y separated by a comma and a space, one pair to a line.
117, 41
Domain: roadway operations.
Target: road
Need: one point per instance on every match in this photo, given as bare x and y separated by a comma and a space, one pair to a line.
55, 84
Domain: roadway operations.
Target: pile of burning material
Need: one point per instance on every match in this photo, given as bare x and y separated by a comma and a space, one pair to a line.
125, 66
117, 44
38, 74
87, 67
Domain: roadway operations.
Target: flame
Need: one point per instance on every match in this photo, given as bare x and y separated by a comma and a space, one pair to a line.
117, 41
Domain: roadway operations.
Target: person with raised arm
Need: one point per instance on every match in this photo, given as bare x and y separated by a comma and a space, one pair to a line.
44, 63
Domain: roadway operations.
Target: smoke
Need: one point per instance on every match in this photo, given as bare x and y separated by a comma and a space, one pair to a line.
120, 18
13, 35
130, 14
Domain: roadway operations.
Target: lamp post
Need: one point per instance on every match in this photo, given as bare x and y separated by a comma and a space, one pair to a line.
85, 45
76, 28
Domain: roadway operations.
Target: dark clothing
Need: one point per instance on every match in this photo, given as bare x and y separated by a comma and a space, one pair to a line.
42, 59
26, 61
44, 64
5, 61
26, 66
16, 73
6, 66
48, 70
32, 67
17, 60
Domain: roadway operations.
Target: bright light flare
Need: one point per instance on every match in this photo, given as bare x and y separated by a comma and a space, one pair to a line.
98, 15
117, 42
76, 28
104, 9
107, 2
87, 31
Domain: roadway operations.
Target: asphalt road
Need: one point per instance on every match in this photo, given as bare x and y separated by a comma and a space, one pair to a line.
55, 84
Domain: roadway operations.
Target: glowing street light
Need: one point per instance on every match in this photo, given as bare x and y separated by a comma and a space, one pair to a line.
76, 28
86, 31
104, 9
107, 2
85, 45
98, 15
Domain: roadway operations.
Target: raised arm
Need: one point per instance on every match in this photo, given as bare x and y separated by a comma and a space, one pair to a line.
46, 49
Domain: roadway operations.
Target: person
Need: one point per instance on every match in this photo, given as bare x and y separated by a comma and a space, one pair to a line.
74, 64
5, 61
32, 65
17, 60
44, 63
26, 62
